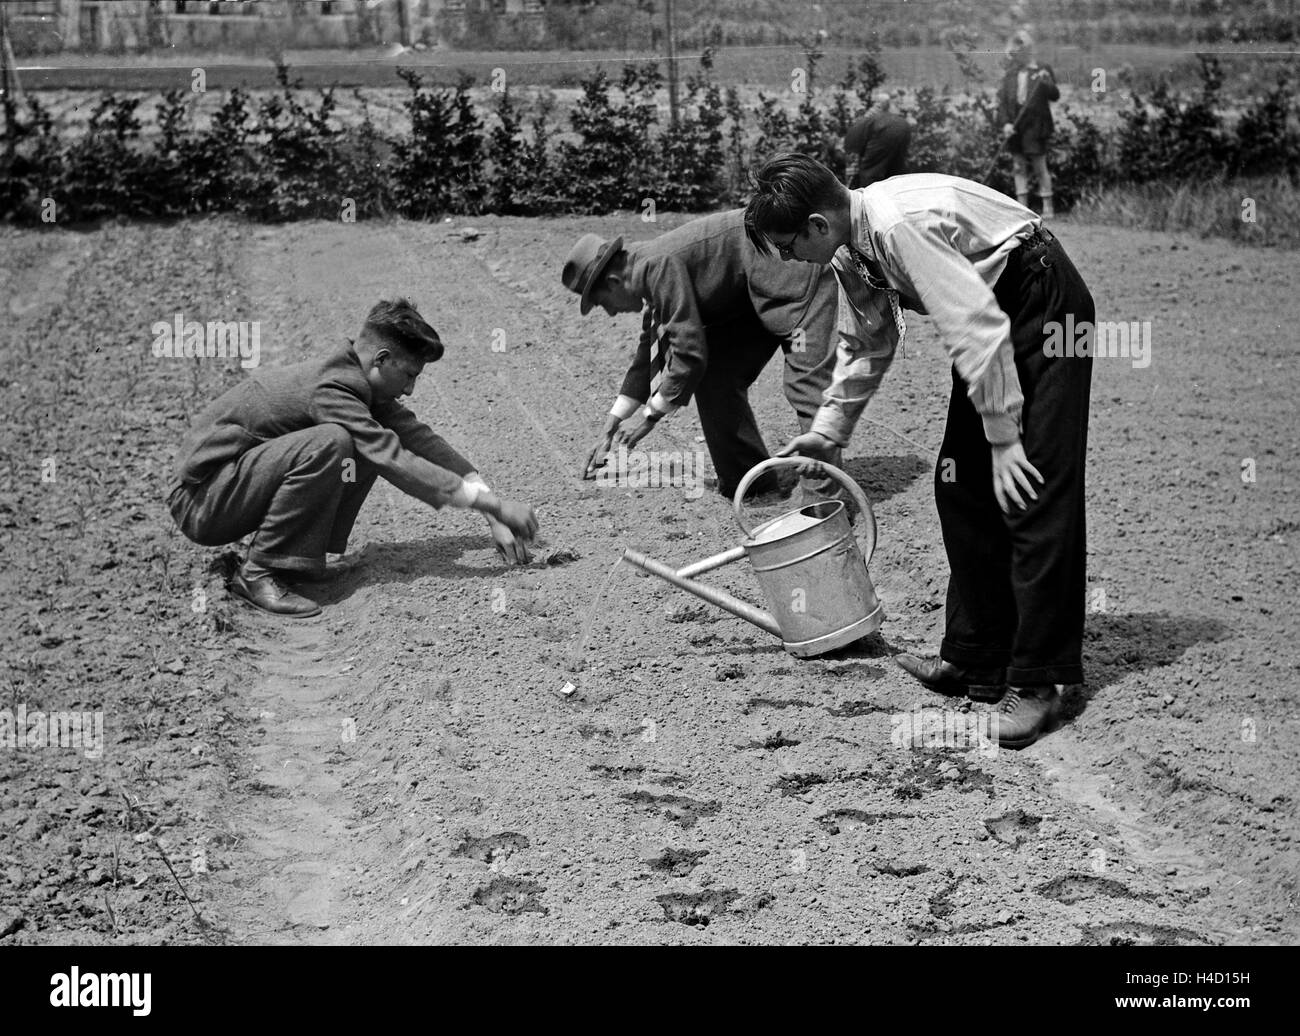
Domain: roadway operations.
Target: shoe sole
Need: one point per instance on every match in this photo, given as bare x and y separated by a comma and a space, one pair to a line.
991, 693
267, 611
1020, 742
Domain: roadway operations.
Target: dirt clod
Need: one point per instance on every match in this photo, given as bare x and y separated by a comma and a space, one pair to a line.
1071, 888
696, 909
510, 896
1013, 828
491, 847
677, 808
849, 819
678, 862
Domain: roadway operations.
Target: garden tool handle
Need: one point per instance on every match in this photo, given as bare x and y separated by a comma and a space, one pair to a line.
867, 535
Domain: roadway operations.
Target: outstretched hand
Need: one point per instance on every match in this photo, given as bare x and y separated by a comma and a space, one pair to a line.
518, 518
599, 455
813, 445
513, 549
1011, 471
632, 431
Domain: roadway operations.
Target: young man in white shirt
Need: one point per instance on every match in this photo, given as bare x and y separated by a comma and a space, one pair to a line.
1011, 502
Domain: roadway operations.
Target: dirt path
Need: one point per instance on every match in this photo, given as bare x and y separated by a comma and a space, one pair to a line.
411, 774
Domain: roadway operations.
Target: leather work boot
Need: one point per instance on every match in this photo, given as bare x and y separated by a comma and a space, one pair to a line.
271, 595
955, 682
1024, 715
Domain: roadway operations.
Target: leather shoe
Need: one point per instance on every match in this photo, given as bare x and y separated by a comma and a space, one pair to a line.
271, 595
1024, 715
946, 678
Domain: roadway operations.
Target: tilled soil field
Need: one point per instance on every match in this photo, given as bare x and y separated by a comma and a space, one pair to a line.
405, 768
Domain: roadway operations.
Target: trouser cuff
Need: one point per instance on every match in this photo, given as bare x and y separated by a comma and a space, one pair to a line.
287, 562
1020, 676
967, 657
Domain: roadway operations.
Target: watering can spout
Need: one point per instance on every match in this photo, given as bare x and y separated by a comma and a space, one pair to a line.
720, 598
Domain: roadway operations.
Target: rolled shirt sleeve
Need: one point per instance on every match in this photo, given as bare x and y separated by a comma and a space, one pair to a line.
976, 332
866, 339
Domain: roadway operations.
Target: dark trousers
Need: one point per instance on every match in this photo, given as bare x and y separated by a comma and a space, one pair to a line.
298, 495
738, 352
1017, 583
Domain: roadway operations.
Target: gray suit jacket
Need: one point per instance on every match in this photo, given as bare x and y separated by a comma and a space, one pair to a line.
705, 273
332, 390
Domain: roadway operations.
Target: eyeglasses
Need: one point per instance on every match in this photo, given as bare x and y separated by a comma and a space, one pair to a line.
786, 250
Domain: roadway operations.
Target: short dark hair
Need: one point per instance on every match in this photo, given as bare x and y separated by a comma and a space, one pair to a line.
397, 324
787, 190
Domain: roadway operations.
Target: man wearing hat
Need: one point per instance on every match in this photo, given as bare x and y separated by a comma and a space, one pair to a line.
715, 311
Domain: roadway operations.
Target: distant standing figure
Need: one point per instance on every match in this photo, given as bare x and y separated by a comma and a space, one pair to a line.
1024, 106
875, 148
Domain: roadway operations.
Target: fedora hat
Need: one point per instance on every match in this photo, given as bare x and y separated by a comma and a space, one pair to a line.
587, 261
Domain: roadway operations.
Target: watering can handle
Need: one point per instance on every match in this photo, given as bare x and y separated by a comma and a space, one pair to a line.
867, 536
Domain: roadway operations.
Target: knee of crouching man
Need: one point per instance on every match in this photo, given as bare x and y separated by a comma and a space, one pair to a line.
336, 438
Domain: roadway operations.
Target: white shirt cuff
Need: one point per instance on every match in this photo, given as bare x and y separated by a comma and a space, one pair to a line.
468, 491
662, 405
834, 424
624, 407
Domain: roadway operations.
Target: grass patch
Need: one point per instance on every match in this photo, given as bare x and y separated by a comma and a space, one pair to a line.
1212, 208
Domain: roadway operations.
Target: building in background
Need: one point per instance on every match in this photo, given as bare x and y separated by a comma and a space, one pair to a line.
51, 26
252, 26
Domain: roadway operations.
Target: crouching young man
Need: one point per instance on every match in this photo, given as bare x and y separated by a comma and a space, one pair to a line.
1010, 484
289, 455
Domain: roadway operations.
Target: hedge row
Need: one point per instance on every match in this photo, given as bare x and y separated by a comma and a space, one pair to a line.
287, 156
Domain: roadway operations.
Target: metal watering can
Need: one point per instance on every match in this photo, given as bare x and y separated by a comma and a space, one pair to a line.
813, 572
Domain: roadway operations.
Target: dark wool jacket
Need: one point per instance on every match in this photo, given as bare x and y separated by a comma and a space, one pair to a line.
1034, 129
704, 273
329, 390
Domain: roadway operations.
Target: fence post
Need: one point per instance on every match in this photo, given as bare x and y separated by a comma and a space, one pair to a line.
672, 62
8, 77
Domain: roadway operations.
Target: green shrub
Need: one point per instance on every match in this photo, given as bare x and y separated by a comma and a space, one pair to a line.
439, 167
694, 162
285, 157
613, 163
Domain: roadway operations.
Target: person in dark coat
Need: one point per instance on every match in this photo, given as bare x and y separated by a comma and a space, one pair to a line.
875, 147
716, 310
1024, 107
